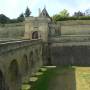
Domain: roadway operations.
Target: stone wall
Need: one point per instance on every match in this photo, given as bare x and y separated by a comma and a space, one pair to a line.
72, 45
39, 24
18, 61
15, 30
70, 55
75, 27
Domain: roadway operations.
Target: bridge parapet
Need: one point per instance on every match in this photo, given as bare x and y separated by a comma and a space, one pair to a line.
12, 45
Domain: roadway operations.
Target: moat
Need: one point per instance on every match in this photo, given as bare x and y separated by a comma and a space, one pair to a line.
64, 78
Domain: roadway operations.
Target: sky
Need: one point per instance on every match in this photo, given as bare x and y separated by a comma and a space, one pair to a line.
13, 8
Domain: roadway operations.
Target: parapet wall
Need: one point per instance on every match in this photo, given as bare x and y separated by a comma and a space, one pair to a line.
15, 30
75, 27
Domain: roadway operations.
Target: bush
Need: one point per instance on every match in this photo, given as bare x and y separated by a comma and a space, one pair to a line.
59, 18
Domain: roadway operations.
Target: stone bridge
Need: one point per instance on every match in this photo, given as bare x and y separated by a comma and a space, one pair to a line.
18, 60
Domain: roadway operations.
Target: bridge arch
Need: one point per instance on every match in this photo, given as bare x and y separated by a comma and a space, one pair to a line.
25, 64
14, 75
2, 81
31, 59
14, 70
37, 54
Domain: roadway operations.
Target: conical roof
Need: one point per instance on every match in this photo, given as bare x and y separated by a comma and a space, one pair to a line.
44, 13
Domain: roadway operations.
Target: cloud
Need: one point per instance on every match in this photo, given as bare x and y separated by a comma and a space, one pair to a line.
9, 8
33, 3
12, 8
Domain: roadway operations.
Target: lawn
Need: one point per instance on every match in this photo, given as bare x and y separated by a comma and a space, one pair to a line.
83, 78
62, 78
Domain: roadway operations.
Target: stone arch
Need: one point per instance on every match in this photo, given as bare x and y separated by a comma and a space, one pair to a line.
37, 54
31, 59
2, 81
24, 64
14, 75
14, 71
35, 35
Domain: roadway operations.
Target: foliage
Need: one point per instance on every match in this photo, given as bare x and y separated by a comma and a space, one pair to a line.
21, 18
4, 19
43, 81
64, 13
58, 18
64, 16
27, 12
79, 13
87, 12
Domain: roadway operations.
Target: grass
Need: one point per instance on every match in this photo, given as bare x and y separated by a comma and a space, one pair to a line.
44, 80
83, 78
26, 87
61, 78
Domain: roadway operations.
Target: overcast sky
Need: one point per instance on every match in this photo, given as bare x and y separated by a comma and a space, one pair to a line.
13, 8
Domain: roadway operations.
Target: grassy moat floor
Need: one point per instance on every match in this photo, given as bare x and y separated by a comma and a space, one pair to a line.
63, 78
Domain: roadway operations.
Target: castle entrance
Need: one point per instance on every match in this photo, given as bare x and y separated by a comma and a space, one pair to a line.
35, 35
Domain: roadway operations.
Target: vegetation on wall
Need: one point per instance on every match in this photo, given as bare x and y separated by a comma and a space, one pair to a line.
64, 15
5, 20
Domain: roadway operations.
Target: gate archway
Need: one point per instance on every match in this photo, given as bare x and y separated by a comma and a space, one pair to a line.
35, 35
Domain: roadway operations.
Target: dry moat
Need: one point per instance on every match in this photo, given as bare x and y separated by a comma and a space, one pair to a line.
66, 78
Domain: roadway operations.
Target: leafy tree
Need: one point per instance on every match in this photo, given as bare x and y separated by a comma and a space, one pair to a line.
87, 12
21, 17
64, 13
56, 17
79, 13
27, 12
61, 16
4, 19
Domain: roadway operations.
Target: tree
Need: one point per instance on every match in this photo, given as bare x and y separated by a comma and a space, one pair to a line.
79, 13
64, 13
87, 12
56, 17
21, 17
27, 12
4, 19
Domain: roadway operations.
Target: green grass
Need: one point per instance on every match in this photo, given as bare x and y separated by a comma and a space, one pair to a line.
43, 82
70, 77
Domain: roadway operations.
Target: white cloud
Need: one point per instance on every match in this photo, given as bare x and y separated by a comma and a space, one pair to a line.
9, 8
84, 4
33, 3
13, 8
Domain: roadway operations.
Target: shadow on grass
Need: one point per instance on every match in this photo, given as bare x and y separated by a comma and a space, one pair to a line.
64, 79
60, 78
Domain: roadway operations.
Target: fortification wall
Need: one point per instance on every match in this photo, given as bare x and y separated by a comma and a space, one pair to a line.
75, 27
72, 46
15, 30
